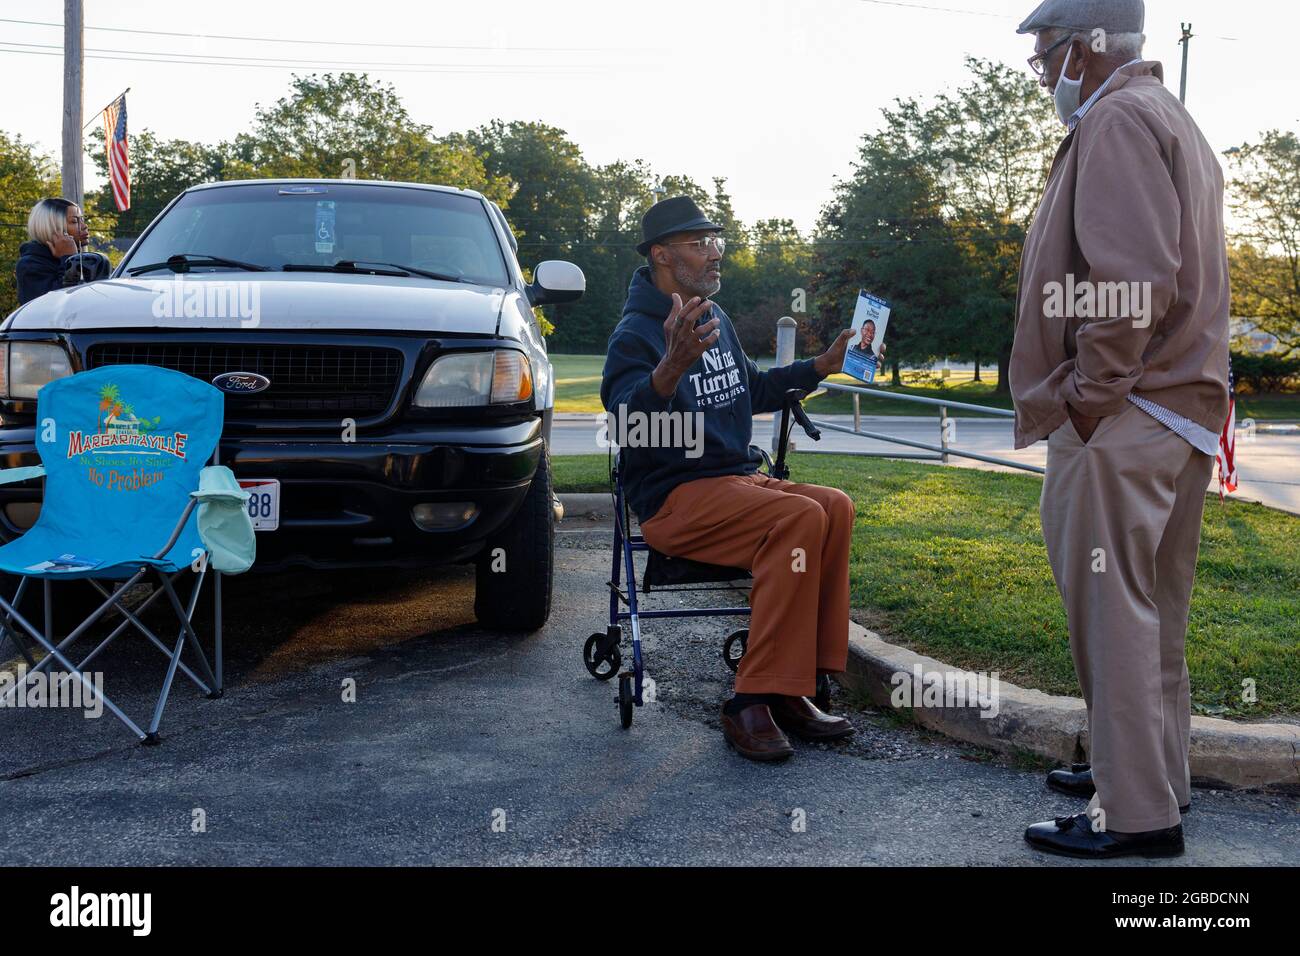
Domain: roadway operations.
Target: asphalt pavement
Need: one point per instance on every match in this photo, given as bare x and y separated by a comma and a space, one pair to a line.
470, 747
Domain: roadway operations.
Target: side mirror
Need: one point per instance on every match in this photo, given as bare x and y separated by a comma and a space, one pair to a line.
556, 281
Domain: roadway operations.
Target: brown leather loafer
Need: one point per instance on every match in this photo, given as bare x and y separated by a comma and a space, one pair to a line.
754, 735
800, 717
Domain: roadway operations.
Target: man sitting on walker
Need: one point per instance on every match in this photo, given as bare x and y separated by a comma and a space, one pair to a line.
675, 351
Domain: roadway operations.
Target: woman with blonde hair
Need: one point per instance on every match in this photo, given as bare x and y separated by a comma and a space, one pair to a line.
58, 232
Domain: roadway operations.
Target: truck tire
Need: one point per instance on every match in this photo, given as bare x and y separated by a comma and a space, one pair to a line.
517, 596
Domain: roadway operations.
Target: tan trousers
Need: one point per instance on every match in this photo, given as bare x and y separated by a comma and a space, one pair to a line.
794, 538
1122, 523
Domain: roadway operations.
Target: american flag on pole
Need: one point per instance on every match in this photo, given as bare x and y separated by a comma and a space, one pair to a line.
119, 161
1227, 456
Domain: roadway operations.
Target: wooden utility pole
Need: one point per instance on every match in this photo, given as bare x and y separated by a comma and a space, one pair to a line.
73, 26
1186, 41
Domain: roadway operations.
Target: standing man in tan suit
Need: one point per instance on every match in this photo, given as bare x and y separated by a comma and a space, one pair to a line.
1120, 361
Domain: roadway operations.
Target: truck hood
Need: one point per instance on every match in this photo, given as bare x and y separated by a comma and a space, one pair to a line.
278, 301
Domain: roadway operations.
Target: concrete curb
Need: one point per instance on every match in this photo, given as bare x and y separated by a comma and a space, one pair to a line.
1223, 753
596, 504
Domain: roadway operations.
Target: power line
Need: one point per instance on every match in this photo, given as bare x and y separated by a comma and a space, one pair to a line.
467, 69
973, 13
271, 59
922, 6
288, 61
253, 39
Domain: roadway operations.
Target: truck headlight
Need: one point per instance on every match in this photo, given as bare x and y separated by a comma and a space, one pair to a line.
499, 377
26, 366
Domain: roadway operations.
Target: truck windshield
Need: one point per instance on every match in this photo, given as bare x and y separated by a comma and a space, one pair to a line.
277, 224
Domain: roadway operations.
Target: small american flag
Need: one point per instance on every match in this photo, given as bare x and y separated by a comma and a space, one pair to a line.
119, 160
1227, 456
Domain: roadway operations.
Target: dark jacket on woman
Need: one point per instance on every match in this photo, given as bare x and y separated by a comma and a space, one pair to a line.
39, 271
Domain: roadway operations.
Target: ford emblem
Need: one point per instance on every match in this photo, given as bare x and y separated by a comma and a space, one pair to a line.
241, 383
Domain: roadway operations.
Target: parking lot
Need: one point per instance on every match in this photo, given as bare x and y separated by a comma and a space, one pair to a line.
471, 747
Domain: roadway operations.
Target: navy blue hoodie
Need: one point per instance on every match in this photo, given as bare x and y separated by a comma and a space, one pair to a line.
723, 384
38, 270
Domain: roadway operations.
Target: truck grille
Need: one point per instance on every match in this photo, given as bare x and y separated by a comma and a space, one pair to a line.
313, 382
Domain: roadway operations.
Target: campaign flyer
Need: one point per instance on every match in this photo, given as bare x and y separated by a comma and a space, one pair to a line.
866, 353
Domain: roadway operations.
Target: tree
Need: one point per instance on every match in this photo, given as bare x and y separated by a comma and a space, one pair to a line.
160, 171
622, 194
935, 215
26, 176
553, 185
551, 206
109, 395
760, 278
995, 140
345, 124
885, 231
1265, 199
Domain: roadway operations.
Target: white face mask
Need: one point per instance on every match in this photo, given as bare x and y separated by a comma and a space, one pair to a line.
1068, 93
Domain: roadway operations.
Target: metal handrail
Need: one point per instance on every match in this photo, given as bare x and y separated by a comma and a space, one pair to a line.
940, 402
941, 450
785, 343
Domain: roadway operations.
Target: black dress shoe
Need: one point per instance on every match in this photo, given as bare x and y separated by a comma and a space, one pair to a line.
1074, 836
800, 716
1077, 782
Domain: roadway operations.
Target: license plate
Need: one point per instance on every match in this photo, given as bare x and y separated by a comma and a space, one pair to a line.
263, 502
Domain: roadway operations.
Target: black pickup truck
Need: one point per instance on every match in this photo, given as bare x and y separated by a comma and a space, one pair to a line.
388, 392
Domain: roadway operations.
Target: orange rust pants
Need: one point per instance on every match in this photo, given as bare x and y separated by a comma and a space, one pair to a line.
794, 538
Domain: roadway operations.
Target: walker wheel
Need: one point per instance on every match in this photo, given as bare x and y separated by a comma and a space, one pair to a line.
625, 700
733, 648
600, 666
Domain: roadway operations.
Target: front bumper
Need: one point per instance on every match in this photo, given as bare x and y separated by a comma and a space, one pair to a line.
348, 504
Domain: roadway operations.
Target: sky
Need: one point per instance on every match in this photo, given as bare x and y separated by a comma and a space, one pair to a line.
773, 95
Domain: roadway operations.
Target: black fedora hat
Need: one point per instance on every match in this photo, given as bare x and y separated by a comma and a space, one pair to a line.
678, 214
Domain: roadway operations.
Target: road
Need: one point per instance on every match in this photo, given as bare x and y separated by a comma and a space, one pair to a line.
453, 728
1268, 463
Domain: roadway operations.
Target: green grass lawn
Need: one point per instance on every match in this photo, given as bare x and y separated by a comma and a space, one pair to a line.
950, 562
1269, 407
577, 382
577, 389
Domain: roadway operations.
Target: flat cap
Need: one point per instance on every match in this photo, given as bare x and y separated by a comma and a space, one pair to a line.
1113, 16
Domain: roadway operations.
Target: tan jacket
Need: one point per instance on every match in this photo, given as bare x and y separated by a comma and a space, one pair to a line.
1135, 196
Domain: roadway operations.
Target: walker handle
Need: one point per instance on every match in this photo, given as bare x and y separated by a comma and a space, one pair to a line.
793, 401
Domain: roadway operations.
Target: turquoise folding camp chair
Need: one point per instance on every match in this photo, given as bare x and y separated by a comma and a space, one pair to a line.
129, 497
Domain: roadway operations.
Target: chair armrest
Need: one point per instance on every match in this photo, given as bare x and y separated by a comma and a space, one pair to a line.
10, 475
217, 482
224, 526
